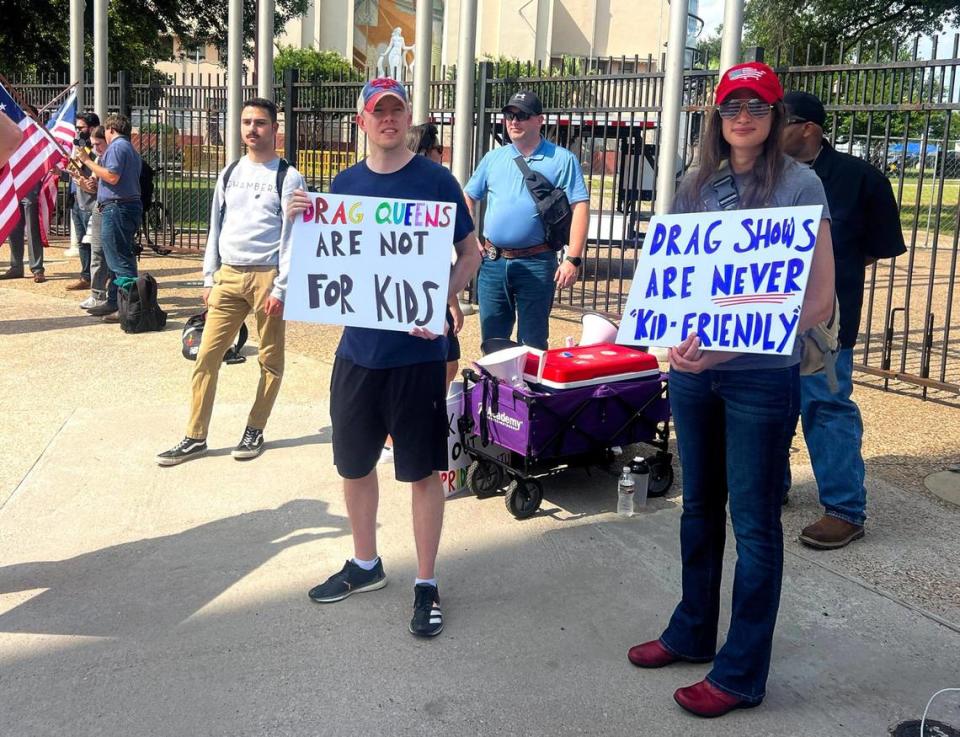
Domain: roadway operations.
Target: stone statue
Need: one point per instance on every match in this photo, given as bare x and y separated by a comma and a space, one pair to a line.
393, 61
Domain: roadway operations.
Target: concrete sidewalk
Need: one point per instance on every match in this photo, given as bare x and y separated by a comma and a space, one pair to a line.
139, 601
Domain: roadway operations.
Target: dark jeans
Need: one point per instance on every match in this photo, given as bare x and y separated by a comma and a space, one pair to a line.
517, 290
118, 224
733, 430
81, 219
833, 430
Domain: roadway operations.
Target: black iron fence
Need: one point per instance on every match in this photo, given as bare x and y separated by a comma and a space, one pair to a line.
886, 105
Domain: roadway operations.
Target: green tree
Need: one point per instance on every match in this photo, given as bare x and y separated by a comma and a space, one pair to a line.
34, 35
316, 66
785, 24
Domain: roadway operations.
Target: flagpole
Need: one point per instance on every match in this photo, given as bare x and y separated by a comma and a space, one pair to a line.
24, 105
62, 93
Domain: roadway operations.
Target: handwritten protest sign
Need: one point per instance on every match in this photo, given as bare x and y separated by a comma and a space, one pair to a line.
735, 278
371, 262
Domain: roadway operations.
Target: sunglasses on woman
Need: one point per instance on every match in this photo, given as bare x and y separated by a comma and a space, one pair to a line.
427, 149
510, 115
755, 108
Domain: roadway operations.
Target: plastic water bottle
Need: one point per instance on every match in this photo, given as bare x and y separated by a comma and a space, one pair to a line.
641, 480
625, 487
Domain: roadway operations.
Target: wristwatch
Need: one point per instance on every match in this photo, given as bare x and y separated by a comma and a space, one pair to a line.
575, 260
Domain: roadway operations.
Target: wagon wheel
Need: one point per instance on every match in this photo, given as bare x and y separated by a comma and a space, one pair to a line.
484, 478
523, 497
661, 475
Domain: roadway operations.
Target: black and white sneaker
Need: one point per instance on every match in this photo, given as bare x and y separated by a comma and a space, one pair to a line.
427, 618
250, 445
183, 451
351, 579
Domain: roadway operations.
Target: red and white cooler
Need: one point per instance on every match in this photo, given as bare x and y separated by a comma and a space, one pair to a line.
587, 365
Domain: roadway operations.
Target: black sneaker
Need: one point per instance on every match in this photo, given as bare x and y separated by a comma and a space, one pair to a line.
251, 444
427, 618
352, 579
183, 451
105, 309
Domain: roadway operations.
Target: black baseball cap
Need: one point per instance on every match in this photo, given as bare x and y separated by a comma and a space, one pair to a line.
526, 101
806, 107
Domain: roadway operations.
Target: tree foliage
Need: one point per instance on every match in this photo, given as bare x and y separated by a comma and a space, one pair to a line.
34, 35
316, 66
786, 24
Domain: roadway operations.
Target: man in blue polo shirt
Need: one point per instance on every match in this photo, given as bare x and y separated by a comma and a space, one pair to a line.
118, 199
520, 274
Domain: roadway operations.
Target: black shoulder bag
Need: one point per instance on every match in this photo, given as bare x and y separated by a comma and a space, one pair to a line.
553, 207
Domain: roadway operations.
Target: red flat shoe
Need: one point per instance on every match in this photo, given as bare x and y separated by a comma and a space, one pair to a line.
651, 655
706, 700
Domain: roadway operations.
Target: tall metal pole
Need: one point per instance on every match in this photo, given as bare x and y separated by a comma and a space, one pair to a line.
100, 61
732, 30
463, 111
76, 48
234, 77
422, 61
670, 106
265, 10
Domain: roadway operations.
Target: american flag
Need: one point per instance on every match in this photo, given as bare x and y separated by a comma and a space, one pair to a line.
35, 157
63, 126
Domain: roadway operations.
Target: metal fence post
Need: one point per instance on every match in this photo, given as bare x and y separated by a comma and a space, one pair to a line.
753, 53
482, 142
290, 79
123, 93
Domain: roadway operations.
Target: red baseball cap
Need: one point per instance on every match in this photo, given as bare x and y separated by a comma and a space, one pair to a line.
380, 87
754, 76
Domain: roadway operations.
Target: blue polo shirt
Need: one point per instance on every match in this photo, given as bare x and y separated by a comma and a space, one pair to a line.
510, 219
120, 158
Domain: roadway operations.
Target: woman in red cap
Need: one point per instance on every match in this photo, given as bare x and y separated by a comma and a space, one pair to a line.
734, 415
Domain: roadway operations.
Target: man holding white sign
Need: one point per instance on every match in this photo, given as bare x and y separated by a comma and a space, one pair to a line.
375, 257
730, 292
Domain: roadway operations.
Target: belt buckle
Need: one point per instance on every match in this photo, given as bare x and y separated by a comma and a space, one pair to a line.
491, 253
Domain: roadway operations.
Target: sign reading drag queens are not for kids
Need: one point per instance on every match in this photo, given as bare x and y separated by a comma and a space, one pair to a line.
371, 262
735, 278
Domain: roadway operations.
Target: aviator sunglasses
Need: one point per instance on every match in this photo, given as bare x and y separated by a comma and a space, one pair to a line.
755, 108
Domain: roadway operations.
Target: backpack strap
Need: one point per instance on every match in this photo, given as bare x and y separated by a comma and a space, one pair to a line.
226, 178
281, 175
529, 178
725, 188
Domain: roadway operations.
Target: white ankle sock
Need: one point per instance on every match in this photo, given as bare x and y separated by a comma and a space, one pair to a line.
428, 581
367, 565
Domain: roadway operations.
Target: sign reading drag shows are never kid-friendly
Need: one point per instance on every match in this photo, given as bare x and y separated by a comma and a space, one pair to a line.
371, 262
736, 279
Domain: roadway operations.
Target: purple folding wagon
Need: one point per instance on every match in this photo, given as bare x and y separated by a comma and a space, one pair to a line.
513, 435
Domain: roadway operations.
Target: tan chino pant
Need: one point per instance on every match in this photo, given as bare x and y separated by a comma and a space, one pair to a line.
237, 290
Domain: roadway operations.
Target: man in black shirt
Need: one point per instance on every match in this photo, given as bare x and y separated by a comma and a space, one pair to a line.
865, 227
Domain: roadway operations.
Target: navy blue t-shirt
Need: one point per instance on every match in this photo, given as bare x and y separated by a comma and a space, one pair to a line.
421, 179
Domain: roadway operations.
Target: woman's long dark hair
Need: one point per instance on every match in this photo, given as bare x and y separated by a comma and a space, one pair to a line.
421, 138
767, 169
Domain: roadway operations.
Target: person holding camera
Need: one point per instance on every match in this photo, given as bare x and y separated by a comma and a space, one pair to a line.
84, 202
519, 274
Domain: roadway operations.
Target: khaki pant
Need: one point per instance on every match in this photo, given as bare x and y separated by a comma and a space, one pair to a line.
236, 291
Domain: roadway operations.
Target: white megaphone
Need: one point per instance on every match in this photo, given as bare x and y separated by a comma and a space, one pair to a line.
506, 365
596, 329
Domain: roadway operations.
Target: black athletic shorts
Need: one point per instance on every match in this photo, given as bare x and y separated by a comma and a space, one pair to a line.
407, 403
453, 342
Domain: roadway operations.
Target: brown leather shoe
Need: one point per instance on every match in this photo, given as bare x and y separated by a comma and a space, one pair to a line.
651, 655
78, 285
706, 700
12, 274
830, 533
39, 277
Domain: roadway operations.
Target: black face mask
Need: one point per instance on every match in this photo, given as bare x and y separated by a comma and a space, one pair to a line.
82, 139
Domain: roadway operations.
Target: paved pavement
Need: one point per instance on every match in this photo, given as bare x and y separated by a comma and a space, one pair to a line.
140, 601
